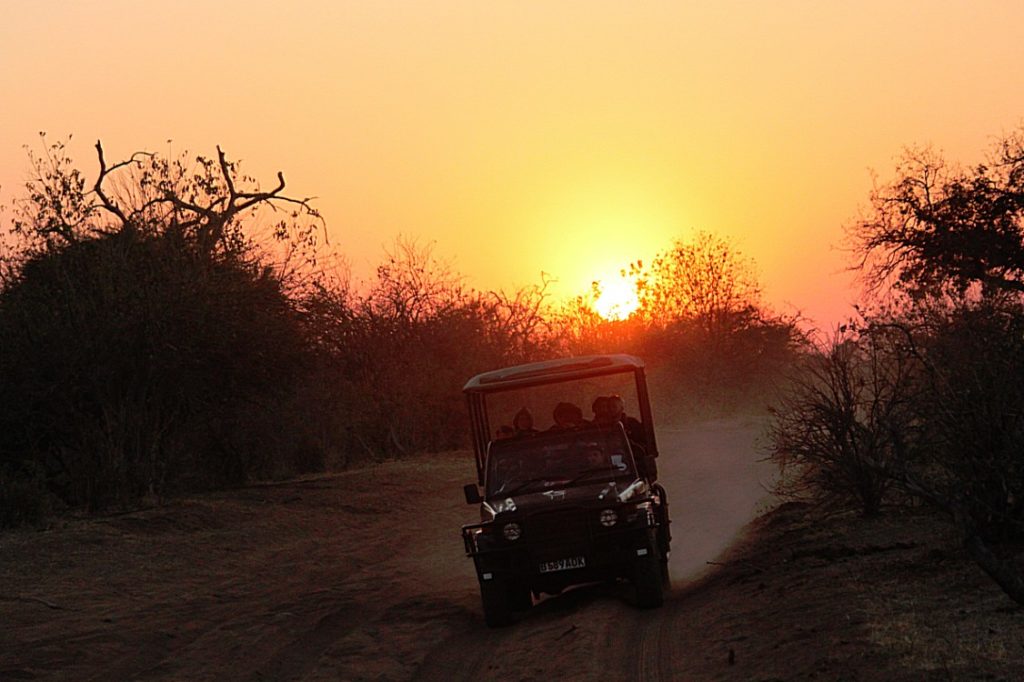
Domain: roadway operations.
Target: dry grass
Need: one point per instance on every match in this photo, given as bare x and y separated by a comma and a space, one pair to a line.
904, 595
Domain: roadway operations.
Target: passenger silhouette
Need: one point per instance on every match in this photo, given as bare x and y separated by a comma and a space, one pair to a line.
522, 423
567, 416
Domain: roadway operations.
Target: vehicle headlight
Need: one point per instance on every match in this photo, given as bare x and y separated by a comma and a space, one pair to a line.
478, 537
636, 489
608, 518
512, 531
647, 509
641, 510
503, 506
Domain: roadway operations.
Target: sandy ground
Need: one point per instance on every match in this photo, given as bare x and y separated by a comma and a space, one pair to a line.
353, 576
361, 576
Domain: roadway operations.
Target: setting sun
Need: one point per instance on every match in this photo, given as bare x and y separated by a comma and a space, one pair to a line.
616, 298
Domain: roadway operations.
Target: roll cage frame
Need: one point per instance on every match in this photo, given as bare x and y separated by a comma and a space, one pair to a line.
563, 370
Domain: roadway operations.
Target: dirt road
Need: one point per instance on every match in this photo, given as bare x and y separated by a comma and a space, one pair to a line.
716, 485
355, 576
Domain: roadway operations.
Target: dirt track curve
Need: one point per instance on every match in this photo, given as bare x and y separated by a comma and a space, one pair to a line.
715, 484
356, 576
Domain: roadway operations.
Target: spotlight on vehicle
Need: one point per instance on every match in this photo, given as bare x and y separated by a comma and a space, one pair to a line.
512, 531
609, 518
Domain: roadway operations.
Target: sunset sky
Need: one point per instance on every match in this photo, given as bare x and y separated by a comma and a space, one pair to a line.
521, 137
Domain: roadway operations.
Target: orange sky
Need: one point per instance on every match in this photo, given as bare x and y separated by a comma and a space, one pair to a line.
566, 137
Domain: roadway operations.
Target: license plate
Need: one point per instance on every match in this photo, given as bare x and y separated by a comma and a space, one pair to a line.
563, 564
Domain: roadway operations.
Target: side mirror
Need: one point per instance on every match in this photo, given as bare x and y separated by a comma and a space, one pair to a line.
472, 493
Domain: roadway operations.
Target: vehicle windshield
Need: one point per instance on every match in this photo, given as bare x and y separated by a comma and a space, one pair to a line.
563, 459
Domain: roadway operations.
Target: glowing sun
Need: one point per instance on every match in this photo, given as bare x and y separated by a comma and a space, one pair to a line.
616, 299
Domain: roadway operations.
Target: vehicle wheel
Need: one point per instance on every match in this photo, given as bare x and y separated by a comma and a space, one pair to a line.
497, 606
519, 598
664, 543
647, 578
664, 523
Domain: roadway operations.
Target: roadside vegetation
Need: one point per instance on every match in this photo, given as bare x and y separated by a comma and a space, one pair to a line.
169, 325
920, 400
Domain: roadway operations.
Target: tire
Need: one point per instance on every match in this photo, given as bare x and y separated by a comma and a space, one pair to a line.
519, 598
664, 543
648, 581
664, 522
494, 594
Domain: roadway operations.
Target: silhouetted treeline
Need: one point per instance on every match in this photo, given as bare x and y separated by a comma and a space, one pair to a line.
392, 361
164, 329
922, 398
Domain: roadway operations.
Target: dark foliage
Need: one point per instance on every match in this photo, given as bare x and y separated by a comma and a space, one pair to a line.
145, 344
941, 228
164, 329
843, 423
943, 422
131, 362
393, 360
973, 411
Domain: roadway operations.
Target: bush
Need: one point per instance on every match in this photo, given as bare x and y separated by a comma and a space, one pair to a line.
23, 498
145, 343
149, 343
842, 425
972, 408
132, 365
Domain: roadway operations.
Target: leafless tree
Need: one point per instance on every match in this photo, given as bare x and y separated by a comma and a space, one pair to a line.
844, 422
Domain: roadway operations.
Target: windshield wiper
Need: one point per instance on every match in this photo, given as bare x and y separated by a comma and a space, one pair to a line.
523, 485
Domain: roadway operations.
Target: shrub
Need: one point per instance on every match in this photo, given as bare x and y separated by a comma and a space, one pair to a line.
842, 424
23, 498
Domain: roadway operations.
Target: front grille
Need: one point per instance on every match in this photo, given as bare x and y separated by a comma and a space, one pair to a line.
559, 528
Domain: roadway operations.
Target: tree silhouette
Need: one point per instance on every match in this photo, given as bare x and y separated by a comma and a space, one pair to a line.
937, 228
147, 342
704, 279
951, 241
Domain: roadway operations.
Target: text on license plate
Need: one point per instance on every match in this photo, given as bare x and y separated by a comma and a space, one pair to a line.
563, 564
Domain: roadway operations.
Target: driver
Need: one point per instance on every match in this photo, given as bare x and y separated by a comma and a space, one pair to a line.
617, 413
637, 438
595, 459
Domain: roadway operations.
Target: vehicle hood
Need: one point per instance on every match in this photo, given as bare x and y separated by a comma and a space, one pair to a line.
588, 495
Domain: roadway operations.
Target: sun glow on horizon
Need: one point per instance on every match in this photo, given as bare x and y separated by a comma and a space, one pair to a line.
528, 138
616, 298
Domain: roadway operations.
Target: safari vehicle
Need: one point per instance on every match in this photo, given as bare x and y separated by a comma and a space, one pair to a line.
561, 506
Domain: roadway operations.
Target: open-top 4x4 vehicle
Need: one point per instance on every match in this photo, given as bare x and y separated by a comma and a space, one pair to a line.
564, 501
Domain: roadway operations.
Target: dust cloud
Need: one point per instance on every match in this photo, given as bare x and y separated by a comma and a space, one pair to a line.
716, 484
